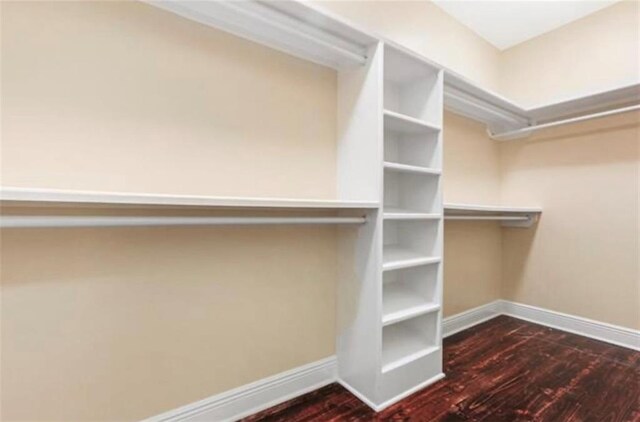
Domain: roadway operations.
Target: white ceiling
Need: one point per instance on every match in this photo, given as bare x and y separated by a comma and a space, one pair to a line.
505, 23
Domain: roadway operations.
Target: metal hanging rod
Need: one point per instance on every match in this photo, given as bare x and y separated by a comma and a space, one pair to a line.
507, 136
119, 221
487, 217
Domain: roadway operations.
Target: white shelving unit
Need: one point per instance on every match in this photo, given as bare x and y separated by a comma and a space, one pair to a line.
412, 227
389, 315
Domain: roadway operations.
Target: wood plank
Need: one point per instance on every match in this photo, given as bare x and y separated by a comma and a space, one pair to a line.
502, 370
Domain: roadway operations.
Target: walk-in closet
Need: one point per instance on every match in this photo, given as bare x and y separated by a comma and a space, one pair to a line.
219, 210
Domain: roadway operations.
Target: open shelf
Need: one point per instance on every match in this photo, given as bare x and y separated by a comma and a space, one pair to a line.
290, 26
406, 214
419, 149
406, 168
411, 191
409, 243
400, 303
49, 197
408, 341
456, 208
401, 123
409, 292
503, 116
407, 307
508, 216
395, 257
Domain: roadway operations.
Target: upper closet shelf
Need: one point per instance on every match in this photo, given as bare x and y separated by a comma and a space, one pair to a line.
313, 34
508, 216
507, 121
290, 26
48, 197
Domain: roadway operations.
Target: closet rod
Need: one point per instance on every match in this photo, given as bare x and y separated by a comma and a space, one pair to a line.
487, 217
511, 135
118, 221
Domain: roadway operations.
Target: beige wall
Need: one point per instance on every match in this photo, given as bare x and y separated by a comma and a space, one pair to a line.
582, 259
595, 53
137, 99
120, 324
427, 29
472, 250
471, 162
472, 265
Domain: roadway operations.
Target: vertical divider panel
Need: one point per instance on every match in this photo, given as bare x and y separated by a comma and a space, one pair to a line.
359, 176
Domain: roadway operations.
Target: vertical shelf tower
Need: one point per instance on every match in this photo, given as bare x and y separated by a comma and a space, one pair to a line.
411, 355
389, 314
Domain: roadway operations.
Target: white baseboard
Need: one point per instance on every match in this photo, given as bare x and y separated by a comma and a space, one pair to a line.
468, 319
252, 398
609, 333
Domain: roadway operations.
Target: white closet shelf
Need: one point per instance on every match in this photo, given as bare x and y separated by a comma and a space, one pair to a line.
400, 304
403, 346
294, 27
396, 257
401, 123
406, 168
475, 208
50, 221
49, 197
506, 120
405, 214
509, 216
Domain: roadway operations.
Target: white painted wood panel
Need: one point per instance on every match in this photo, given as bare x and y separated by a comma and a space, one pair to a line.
48, 197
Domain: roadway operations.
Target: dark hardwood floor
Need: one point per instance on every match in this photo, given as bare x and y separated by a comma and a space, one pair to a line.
502, 370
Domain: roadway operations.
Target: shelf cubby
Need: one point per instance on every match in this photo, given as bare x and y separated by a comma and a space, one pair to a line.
409, 340
409, 243
409, 292
413, 192
419, 150
410, 85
